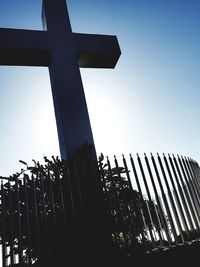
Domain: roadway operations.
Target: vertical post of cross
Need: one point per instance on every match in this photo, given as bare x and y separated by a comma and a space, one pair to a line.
71, 112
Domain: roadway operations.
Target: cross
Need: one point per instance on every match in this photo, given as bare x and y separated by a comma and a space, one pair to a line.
63, 52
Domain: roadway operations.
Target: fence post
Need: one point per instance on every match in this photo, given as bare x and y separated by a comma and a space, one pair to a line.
185, 189
139, 191
163, 218
151, 230
191, 189
131, 187
165, 200
3, 224
171, 200
178, 202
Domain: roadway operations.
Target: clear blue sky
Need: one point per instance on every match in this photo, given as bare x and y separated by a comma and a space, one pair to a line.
148, 103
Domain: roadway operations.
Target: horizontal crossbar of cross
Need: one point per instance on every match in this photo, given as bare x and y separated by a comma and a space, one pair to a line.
31, 48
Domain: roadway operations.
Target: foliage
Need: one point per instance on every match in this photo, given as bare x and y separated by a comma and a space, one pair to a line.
31, 200
124, 206
128, 212
37, 201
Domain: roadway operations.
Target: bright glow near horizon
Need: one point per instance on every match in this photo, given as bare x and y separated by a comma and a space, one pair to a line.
148, 103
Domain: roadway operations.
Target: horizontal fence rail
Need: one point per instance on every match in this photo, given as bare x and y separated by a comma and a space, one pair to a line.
47, 211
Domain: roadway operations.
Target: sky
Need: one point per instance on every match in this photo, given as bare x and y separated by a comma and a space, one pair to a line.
148, 103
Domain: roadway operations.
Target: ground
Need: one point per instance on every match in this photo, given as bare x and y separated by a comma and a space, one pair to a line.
182, 255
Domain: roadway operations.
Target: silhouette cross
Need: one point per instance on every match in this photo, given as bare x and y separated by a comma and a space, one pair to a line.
63, 52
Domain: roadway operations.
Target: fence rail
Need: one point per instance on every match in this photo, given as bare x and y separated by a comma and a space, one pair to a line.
149, 202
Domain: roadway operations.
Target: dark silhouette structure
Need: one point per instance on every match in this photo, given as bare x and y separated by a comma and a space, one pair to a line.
63, 52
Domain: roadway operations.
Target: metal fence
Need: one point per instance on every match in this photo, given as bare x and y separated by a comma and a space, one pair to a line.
153, 202
32, 216
49, 212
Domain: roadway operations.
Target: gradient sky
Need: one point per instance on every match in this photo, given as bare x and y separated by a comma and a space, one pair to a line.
148, 103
